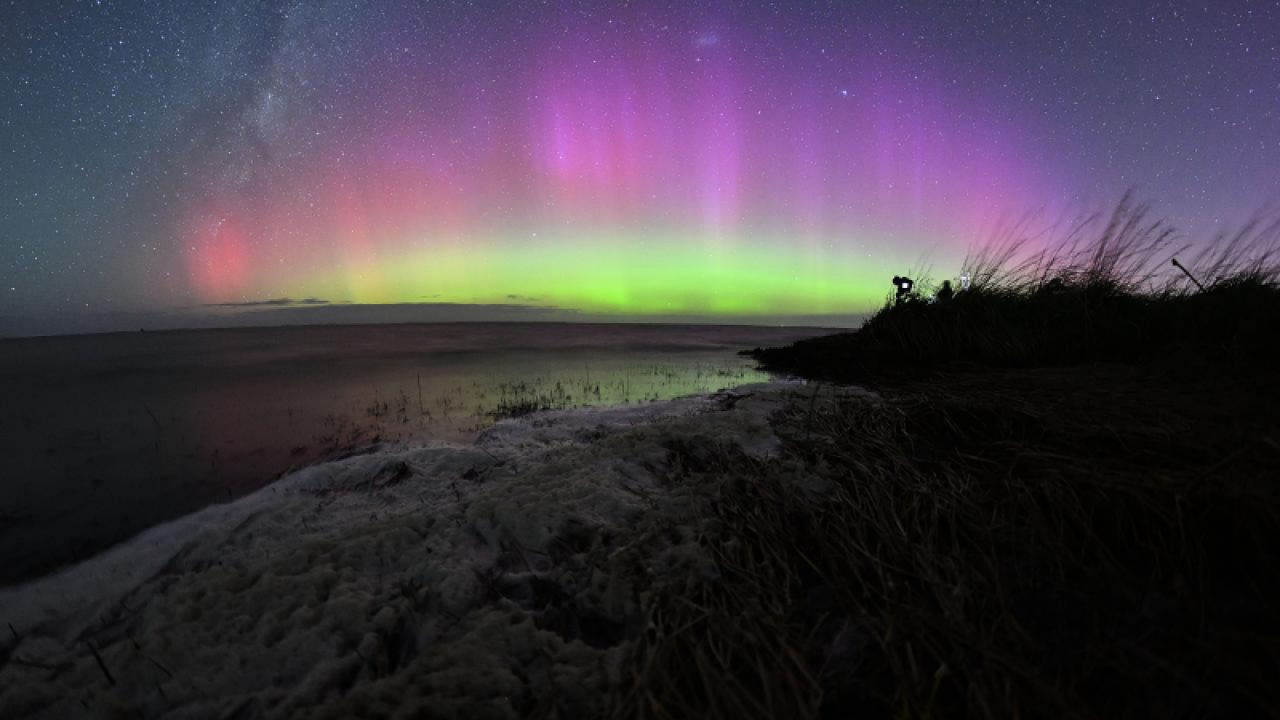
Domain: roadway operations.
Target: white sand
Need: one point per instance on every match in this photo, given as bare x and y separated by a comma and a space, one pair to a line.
476, 581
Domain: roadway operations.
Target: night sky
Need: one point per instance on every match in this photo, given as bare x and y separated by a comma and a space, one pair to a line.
646, 159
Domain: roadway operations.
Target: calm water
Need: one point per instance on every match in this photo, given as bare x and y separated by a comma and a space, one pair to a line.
105, 435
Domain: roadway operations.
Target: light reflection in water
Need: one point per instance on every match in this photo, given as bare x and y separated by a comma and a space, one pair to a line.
106, 436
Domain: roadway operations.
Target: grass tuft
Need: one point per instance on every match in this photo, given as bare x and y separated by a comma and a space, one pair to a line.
1106, 291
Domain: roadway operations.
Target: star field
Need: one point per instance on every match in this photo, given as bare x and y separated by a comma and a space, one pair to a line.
665, 159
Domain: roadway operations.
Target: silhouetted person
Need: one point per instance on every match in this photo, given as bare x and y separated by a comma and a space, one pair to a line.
945, 292
903, 285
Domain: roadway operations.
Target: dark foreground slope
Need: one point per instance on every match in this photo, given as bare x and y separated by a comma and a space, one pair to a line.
1028, 543
1064, 504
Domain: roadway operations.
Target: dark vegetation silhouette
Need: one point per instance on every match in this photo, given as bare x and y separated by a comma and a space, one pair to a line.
1109, 297
1061, 501
902, 288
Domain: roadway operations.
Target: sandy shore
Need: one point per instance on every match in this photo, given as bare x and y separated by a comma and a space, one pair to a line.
468, 581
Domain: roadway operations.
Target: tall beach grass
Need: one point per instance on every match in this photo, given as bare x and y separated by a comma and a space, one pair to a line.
1103, 289
1061, 503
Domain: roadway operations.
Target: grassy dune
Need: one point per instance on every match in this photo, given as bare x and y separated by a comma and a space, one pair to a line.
1062, 503
1114, 298
986, 546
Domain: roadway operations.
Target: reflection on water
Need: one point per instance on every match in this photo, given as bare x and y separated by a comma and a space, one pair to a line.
106, 435
406, 408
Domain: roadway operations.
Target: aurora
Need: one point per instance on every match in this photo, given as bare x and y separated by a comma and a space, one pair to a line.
663, 176
714, 160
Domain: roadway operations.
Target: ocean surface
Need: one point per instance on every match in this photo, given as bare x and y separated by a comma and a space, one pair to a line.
106, 435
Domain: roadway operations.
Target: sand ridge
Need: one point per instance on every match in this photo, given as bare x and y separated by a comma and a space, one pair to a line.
473, 580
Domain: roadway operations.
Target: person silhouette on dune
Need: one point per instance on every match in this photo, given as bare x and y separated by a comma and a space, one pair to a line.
903, 284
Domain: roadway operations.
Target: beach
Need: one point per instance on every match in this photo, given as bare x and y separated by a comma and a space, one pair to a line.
476, 580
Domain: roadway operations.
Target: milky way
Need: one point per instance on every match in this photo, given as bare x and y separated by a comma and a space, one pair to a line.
633, 158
